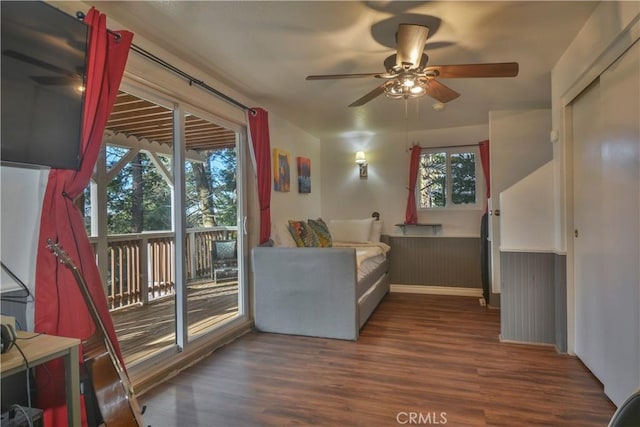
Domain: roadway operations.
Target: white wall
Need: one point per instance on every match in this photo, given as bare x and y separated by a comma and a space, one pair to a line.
519, 145
526, 223
293, 205
345, 195
22, 190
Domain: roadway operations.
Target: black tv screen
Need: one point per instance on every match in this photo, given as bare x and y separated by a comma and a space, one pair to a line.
43, 79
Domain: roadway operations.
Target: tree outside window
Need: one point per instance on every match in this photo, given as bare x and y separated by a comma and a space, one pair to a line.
447, 178
139, 198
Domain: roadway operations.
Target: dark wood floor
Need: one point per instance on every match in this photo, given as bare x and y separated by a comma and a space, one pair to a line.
434, 358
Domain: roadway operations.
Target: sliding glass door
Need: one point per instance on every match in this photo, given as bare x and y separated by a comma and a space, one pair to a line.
163, 212
212, 218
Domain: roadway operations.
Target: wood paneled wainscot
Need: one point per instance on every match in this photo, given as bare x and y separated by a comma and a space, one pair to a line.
435, 262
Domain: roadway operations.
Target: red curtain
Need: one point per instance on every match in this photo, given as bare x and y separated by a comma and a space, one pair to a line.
411, 215
59, 306
484, 159
259, 133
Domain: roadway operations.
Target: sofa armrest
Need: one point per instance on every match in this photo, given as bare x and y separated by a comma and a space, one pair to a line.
306, 291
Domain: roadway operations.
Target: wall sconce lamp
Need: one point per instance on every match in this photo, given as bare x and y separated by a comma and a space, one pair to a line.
362, 163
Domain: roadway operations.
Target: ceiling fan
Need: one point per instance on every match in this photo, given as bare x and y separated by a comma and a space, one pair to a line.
63, 77
408, 75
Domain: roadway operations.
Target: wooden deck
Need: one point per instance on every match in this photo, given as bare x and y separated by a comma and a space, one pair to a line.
146, 329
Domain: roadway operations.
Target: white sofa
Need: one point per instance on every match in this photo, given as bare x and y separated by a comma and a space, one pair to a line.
315, 291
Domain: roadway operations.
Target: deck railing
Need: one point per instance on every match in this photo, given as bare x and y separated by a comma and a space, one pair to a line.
141, 267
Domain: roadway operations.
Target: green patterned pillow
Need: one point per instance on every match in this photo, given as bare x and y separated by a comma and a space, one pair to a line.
303, 234
322, 232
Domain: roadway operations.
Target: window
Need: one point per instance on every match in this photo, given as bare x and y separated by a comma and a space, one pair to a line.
447, 178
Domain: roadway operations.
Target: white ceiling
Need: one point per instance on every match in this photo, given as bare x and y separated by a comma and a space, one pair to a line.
266, 49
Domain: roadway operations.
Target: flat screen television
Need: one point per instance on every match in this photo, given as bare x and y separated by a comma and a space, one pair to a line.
43, 65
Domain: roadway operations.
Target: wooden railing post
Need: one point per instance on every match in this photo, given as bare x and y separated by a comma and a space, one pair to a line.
191, 261
146, 263
144, 270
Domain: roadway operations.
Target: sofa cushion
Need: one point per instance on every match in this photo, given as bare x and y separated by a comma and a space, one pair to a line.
376, 231
322, 232
303, 234
281, 235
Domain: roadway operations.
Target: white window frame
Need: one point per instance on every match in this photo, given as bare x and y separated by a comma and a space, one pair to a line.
480, 184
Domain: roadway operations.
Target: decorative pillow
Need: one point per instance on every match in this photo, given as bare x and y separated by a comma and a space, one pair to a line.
376, 231
322, 232
281, 236
225, 249
303, 234
350, 230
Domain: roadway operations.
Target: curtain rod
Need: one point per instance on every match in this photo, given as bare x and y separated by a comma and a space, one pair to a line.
192, 80
450, 146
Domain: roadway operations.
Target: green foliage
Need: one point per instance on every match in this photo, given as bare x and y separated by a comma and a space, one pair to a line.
223, 164
432, 179
463, 178
156, 196
154, 200
208, 202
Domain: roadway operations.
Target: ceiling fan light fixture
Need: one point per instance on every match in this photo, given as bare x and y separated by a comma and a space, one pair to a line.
409, 83
404, 87
438, 106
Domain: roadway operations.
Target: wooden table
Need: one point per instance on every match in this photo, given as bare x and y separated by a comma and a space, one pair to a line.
39, 349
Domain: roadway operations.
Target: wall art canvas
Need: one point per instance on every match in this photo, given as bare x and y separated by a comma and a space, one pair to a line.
304, 175
281, 171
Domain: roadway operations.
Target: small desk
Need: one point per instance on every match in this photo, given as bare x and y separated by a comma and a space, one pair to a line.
39, 349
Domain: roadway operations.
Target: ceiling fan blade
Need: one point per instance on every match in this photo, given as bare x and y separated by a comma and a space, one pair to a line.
57, 80
438, 91
35, 61
342, 76
411, 41
500, 69
368, 97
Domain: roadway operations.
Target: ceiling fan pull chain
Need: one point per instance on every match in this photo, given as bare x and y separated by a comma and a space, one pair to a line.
406, 123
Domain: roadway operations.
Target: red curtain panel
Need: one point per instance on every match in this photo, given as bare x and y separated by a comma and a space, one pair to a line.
59, 306
484, 159
411, 215
259, 132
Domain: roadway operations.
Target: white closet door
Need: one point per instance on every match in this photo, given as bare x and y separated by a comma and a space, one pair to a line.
607, 217
588, 220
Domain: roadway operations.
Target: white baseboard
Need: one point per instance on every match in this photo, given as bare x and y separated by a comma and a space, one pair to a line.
543, 344
437, 290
